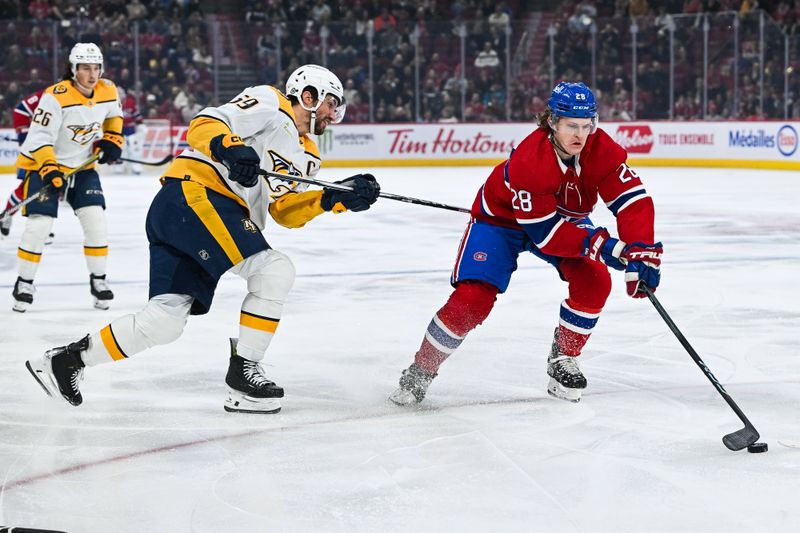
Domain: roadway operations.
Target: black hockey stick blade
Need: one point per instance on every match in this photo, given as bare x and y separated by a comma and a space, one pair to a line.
340, 187
739, 440
149, 163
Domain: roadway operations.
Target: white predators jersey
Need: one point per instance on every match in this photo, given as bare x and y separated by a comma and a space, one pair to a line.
263, 117
68, 123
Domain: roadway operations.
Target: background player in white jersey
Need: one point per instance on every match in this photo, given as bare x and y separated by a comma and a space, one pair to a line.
64, 132
207, 219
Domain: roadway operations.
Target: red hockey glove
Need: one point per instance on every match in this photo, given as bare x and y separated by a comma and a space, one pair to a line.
600, 246
643, 266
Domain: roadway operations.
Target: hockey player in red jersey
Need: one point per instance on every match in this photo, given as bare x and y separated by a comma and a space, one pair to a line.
23, 114
539, 201
131, 125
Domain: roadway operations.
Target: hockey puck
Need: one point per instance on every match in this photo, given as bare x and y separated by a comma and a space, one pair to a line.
758, 447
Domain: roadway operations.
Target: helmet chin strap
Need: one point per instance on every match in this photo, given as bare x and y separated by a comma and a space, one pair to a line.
553, 140
313, 112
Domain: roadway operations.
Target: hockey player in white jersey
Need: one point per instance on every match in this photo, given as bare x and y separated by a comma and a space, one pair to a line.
76, 117
208, 218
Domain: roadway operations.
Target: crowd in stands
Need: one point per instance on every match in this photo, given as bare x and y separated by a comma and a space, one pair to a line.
684, 21
174, 63
416, 61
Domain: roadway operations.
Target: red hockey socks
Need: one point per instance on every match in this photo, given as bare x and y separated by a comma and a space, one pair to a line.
467, 307
575, 325
16, 196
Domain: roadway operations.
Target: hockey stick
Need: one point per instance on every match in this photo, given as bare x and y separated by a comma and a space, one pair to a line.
340, 187
150, 163
46, 189
14, 529
738, 440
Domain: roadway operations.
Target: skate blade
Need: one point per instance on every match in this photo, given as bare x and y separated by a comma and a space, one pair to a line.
101, 304
241, 403
557, 390
40, 375
403, 398
20, 307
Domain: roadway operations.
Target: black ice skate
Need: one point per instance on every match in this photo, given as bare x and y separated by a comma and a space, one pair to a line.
5, 225
249, 390
60, 370
23, 294
102, 294
414, 383
566, 379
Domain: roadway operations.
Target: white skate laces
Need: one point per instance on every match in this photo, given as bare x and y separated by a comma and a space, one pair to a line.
254, 373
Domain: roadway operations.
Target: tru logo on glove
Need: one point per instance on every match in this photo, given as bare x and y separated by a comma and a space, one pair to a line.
647, 255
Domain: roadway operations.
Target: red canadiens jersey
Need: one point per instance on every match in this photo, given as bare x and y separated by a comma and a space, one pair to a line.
23, 114
130, 115
535, 191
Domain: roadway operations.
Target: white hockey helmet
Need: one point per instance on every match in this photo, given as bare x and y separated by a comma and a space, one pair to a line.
323, 80
85, 54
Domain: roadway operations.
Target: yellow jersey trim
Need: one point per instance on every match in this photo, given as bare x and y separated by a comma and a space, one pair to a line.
25, 255
261, 323
284, 105
111, 345
197, 199
95, 251
187, 168
67, 95
202, 129
294, 210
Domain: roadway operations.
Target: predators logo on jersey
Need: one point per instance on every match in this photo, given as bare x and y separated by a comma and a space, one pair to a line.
282, 165
86, 133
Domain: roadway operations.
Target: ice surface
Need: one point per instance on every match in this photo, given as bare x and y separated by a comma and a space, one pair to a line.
151, 448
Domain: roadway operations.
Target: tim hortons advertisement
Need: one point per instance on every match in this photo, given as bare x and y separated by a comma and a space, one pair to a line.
414, 144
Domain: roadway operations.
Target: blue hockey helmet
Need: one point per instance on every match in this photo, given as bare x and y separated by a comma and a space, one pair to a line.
572, 100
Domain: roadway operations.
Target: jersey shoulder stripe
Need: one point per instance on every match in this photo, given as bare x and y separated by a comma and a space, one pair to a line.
67, 95
105, 91
284, 105
627, 199
213, 117
310, 147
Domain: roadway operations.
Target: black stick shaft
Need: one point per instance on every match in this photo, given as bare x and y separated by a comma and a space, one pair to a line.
714, 381
151, 163
340, 187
